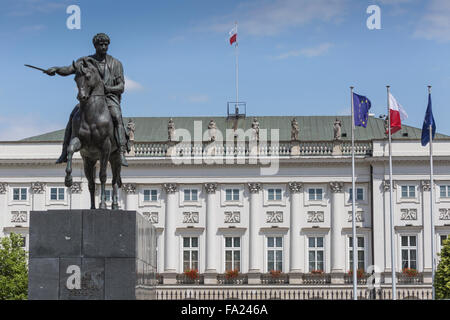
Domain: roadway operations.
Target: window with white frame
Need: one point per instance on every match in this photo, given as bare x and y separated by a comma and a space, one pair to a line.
190, 253
190, 194
20, 194
315, 253
442, 238
274, 253
360, 252
150, 195
409, 252
359, 194
408, 191
232, 253
274, 194
315, 194
231, 194
444, 191
57, 194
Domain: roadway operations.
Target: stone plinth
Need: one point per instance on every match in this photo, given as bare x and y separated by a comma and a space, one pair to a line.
91, 255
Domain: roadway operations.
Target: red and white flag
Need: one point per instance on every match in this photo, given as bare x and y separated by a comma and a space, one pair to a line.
233, 35
396, 114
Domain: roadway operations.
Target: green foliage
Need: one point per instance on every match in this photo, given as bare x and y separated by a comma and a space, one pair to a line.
442, 276
13, 269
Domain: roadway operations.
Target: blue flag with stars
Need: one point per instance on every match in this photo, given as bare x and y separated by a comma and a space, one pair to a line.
427, 122
361, 106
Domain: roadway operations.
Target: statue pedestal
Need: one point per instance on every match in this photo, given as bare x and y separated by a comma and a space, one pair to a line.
91, 255
337, 148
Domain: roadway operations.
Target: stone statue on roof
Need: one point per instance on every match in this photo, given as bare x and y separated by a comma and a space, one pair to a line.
295, 129
337, 129
255, 127
171, 130
212, 130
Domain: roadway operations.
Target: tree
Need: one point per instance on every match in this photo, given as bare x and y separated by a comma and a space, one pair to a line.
442, 276
13, 269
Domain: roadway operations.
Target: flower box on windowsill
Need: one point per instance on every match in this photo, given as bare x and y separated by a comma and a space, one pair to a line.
274, 277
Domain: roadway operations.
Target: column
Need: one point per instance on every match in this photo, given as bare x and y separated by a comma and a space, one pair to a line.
337, 240
427, 236
296, 248
75, 196
38, 196
3, 205
131, 201
378, 225
170, 241
254, 273
211, 230
387, 230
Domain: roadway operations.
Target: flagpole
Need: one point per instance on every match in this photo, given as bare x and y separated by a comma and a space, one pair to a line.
391, 187
355, 259
237, 71
433, 263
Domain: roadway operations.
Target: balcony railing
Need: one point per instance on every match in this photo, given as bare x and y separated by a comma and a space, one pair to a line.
316, 279
184, 279
348, 279
267, 278
409, 279
239, 279
266, 149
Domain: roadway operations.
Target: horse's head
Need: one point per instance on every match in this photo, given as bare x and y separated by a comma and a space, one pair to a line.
87, 78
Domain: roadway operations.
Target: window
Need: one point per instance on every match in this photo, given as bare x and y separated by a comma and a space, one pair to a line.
315, 253
232, 253
274, 253
443, 237
57, 194
108, 194
19, 194
274, 194
360, 247
408, 191
232, 194
359, 194
190, 253
150, 195
409, 252
190, 194
445, 191
315, 193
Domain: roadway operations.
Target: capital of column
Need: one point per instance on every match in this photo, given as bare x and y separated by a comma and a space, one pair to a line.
336, 187
295, 187
129, 188
426, 185
3, 186
254, 187
387, 185
210, 187
37, 187
76, 187
170, 187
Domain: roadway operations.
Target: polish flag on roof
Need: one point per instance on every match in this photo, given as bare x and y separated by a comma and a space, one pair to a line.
396, 114
233, 35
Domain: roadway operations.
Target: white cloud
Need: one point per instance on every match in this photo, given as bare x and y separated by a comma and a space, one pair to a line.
20, 127
131, 85
435, 23
307, 52
31, 7
275, 16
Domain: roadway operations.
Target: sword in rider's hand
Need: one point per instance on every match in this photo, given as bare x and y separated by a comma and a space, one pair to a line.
37, 68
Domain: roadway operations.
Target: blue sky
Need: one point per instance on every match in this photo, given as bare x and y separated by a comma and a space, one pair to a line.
296, 57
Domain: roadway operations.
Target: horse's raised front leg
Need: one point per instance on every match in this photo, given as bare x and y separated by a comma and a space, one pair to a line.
74, 146
106, 150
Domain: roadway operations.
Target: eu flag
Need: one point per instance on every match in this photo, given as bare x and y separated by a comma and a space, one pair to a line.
429, 120
361, 106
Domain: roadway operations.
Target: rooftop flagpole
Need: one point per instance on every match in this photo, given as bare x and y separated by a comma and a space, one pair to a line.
433, 253
355, 251
237, 70
394, 280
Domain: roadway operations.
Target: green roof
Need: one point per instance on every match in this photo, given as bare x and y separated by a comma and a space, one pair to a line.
312, 128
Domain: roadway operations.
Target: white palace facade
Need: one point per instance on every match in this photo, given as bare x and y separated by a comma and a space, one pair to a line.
282, 221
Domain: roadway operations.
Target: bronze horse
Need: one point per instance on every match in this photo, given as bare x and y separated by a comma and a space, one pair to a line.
93, 133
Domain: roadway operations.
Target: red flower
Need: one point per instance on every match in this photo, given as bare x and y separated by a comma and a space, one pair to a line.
275, 273
359, 273
191, 273
317, 271
410, 272
231, 273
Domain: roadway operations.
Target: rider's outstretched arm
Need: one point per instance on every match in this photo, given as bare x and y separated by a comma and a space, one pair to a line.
62, 71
